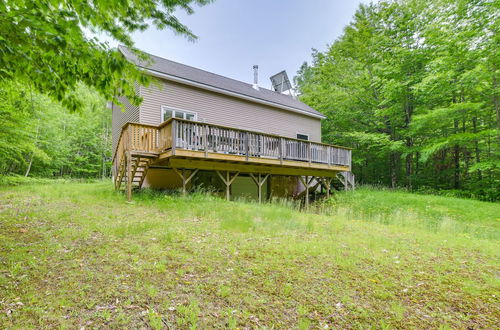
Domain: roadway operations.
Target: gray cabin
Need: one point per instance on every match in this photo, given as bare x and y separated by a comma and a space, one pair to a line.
198, 129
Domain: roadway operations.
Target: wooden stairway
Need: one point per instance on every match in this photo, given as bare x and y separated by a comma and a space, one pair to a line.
139, 165
347, 179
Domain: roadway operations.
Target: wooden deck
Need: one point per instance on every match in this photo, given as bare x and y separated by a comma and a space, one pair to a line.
181, 144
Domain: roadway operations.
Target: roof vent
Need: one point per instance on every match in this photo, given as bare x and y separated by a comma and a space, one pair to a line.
255, 77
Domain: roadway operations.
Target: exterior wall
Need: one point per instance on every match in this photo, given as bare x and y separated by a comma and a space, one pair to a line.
120, 117
244, 187
225, 110
284, 186
162, 179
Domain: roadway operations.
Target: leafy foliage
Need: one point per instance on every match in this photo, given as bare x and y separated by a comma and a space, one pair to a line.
47, 43
42, 138
412, 85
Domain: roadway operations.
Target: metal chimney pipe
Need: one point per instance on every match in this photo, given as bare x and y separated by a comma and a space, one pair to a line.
256, 77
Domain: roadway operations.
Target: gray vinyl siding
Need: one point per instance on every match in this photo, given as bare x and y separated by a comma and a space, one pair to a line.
225, 110
120, 116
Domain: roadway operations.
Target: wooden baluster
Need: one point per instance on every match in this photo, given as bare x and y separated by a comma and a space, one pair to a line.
223, 145
174, 136
205, 142
280, 146
247, 146
185, 135
216, 139
231, 140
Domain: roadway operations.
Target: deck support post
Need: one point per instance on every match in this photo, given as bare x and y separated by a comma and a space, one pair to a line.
228, 181
343, 180
129, 176
307, 183
328, 184
185, 179
259, 182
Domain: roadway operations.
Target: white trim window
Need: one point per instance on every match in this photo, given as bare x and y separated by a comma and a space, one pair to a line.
169, 112
302, 136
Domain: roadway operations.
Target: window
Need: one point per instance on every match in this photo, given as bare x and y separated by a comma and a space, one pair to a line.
168, 113
302, 136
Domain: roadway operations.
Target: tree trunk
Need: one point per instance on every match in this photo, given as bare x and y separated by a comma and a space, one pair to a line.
409, 142
456, 160
476, 147
36, 135
409, 171
394, 175
496, 104
29, 166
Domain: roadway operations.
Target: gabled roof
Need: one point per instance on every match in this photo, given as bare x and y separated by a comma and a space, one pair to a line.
182, 73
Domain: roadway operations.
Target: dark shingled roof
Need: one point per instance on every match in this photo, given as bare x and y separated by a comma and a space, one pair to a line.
203, 77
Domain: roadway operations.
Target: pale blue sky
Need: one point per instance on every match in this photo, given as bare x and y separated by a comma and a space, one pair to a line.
236, 34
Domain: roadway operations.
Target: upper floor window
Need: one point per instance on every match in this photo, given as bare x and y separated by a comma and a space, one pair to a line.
302, 136
167, 113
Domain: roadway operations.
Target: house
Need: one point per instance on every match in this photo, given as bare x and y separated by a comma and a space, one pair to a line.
198, 128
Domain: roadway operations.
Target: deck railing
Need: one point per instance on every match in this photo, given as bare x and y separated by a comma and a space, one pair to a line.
183, 134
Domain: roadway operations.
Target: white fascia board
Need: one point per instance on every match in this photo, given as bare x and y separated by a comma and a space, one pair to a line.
226, 92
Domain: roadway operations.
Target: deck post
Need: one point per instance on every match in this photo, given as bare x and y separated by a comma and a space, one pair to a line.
184, 182
228, 187
185, 179
307, 184
227, 181
259, 182
328, 182
129, 176
260, 189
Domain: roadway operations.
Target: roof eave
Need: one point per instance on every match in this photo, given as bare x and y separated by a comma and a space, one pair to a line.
226, 92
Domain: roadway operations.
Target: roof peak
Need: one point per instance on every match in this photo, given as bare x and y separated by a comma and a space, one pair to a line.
195, 68
216, 81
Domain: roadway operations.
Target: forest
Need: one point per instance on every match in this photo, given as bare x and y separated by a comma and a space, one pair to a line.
411, 85
42, 138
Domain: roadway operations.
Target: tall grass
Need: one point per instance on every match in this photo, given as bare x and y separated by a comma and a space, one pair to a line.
433, 213
78, 253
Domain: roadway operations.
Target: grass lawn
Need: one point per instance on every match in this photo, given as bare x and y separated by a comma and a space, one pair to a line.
76, 255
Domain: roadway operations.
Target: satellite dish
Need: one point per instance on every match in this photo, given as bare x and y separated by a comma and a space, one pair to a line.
280, 82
